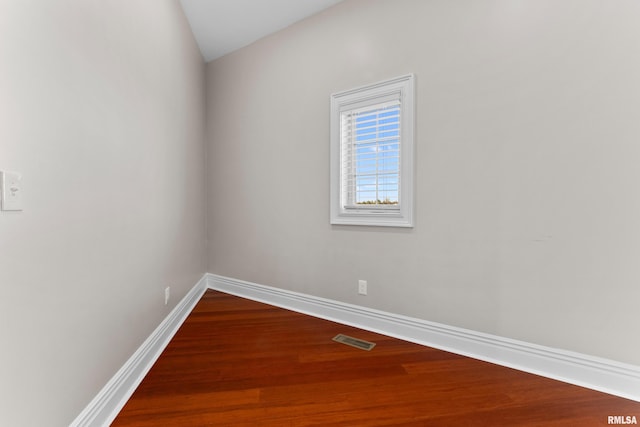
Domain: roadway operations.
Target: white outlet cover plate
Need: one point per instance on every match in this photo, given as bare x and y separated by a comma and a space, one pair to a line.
362, 287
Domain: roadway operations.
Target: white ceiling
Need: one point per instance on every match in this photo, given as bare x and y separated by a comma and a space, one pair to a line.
222, 26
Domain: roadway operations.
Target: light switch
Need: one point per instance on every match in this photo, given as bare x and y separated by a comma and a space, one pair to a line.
11, 191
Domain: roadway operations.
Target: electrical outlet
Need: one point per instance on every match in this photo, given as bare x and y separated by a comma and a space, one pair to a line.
167, 294
362, 287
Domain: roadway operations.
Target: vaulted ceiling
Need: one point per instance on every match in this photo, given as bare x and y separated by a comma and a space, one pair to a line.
222, 26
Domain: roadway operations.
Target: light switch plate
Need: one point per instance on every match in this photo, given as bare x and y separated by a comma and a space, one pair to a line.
11, 191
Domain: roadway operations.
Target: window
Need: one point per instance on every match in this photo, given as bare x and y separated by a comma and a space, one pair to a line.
372, 154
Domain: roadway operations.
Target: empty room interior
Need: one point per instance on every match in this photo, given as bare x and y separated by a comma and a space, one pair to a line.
149, 159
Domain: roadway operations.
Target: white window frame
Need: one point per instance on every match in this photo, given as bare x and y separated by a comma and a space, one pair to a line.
399, 89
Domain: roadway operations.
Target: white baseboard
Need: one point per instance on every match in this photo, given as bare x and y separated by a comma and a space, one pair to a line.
104, 408
596, 373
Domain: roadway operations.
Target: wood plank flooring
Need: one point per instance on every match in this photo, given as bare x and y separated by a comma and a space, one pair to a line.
236, 362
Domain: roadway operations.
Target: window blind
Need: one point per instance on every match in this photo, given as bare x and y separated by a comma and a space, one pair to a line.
371, 156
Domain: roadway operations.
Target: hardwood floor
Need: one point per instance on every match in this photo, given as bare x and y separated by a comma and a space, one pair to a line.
236, 362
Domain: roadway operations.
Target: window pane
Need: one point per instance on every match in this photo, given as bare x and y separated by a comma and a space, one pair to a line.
377, 156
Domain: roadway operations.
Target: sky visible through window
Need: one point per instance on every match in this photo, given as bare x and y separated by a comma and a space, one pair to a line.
377, 145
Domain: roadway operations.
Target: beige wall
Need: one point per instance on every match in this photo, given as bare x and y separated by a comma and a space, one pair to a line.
528, 146
102, 110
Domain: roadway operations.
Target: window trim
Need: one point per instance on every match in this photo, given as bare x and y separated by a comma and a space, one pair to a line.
401, 88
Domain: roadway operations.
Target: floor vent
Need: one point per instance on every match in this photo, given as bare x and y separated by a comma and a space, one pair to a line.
354, 342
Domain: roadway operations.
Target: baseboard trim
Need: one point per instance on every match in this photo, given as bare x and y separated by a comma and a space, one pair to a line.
104, 408
596, 373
